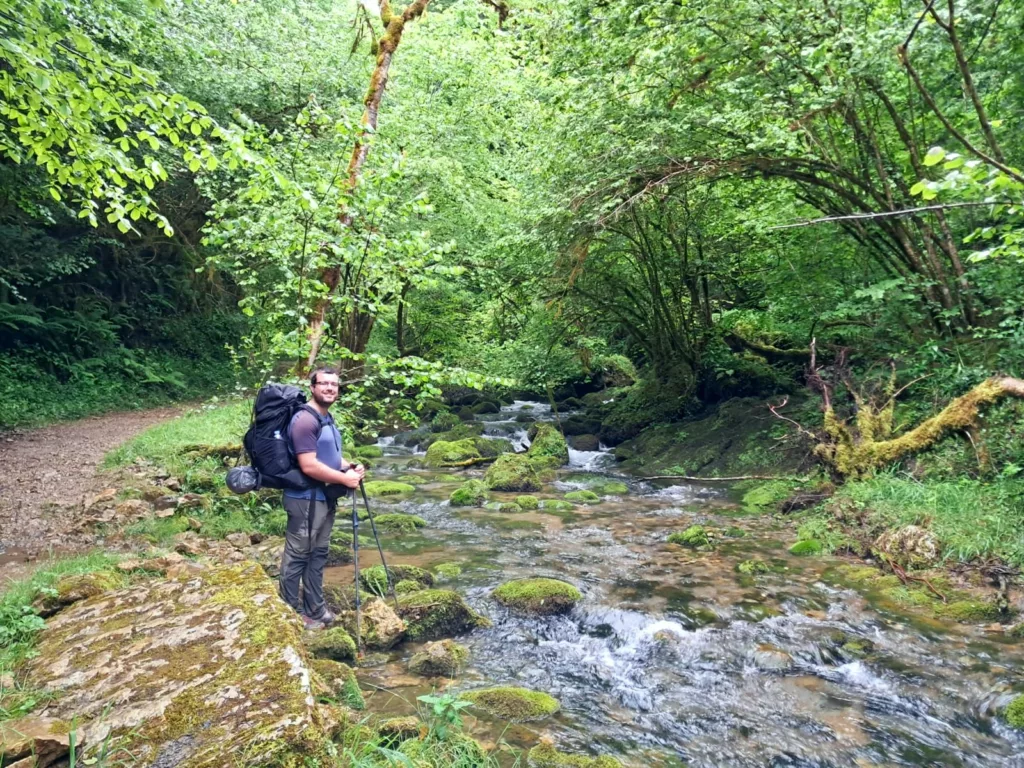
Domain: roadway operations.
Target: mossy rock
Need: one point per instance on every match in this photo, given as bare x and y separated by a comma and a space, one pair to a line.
458, 453
767, 497
694, 537
75, 588
968, 611
806, 547
343, 598
512, 472
434, 614
492, 447
583, 497
1014, 713
472, 493
586, 442
556, 505
734, 532
444, 658
528, 502
334, 643
612, 488
487, 406
338, 554
412, 479
465, 413
547, 443
753, 567
379, 629
540, 597
340, 681
444, 571
398, 522
406, 586
378, 488
368, 452
375, 578
395, 730
517, 705
544, 755
444, 422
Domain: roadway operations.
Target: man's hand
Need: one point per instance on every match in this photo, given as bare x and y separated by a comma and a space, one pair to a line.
353, 476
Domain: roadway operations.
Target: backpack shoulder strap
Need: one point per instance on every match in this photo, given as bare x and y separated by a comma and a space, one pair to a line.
316, 415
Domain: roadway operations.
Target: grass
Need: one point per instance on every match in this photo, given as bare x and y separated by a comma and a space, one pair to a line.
162, 444
970, 518
20, 624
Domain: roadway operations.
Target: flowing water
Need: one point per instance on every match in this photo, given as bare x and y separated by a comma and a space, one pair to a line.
673, 657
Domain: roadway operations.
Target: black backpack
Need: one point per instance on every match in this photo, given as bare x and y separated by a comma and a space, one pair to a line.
267, 443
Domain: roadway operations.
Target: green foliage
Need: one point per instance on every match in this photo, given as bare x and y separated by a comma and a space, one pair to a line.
445, 713
694, 537
1014, 713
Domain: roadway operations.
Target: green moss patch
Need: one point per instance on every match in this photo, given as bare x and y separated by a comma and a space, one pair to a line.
582, 497
767, 497
434, 614
544, 755
548, 445
556, 505
517, 705
378, 488
458, 453
447, 570
335, 644
541, 597
340, 682
375, 579
512, 472
472, 493
527, 502
612, 488
753, 567
397, 522
806, 547
694, 537
1014, 713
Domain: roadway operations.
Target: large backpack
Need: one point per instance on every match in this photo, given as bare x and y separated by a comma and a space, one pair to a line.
267, 442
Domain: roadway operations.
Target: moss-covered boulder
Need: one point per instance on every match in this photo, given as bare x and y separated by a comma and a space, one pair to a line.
367, 452
339, 682
434, 614
334, 643
694, 537
443, 422
458, 453
398, 729
472, 493
512, 472
492, 447
540, 597
444, 658
611, 488
517, 705
806, 548
213, 655
545, 755
379, 488
968, 611
397, 522
547, 442
766, 497
1014, 713
585, 442
486, 406
380, 627
405, 586
753, 567
338, 554
375, 579
445, 571
556, 505
72, 589
583, 497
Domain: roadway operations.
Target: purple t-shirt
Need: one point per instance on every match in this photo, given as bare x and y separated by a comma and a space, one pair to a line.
302, 432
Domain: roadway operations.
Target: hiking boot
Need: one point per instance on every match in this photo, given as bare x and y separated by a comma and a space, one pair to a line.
312, 625
326, 617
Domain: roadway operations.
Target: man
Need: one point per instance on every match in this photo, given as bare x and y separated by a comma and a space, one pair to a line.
307, 541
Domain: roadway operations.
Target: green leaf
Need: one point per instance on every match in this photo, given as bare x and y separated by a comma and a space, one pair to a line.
934, 156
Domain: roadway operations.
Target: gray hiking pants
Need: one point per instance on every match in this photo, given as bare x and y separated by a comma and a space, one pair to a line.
302, 562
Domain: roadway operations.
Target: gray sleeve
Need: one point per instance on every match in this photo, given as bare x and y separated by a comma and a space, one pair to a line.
304, 432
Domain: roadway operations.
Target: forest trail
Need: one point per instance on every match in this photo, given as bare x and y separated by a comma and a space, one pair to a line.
45, 473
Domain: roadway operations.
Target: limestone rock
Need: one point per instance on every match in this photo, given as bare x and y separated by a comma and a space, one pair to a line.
437, 613
237, 540
441, 659
910, 546
512, 472
133, 509
72, 589
165, 502
191, 672
41, 740
381, 628
106, 495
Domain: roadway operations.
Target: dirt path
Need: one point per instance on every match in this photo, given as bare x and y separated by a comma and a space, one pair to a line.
45, 473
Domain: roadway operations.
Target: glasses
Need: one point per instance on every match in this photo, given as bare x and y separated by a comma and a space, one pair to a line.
326, 384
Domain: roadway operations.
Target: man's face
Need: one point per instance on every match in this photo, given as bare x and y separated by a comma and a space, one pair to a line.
325, 391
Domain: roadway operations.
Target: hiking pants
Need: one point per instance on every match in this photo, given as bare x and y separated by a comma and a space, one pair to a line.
303, 560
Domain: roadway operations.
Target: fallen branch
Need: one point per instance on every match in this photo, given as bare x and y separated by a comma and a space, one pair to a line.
729, 479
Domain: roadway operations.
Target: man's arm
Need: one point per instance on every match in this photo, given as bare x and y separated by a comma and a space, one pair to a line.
316, 469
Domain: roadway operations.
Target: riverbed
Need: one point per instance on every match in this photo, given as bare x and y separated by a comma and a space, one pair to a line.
673, 657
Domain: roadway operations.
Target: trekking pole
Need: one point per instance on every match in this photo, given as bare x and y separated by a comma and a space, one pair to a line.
380, 550
355, 550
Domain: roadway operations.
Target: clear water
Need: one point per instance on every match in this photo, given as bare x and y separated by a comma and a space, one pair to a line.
673, 657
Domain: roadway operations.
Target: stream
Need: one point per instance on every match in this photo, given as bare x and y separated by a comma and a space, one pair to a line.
673, 657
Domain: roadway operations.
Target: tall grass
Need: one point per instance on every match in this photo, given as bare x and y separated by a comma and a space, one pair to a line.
971, 519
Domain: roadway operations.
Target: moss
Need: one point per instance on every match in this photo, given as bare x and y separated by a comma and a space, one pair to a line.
437, 613
492, 447
968, 611
375, 578
378, 488
512, 472
753, 567
806, 547
509, 507
583, 497
405, 586
412, 479
71, 589
472, 493
341, 682
613, 488
367, 452
1014, 713
695, 537
556, 505
398, 522
528, 502
734, 533
443, 422
547, 443
857, 574
542, 597
338, 554
544, 755
517, 705
441, 659
397, 729
334, 643
767, 496
447, 570
459, 453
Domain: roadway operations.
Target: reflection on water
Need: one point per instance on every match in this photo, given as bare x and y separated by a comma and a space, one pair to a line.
674, 656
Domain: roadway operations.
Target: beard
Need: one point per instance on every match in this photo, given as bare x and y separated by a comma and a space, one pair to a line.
321, 401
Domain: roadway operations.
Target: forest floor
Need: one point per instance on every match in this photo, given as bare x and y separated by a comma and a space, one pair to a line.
46, 475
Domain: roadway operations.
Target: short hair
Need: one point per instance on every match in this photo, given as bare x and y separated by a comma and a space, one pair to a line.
328, 369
